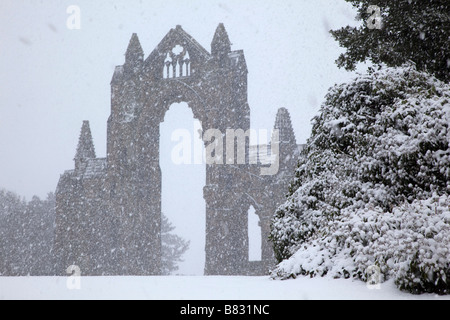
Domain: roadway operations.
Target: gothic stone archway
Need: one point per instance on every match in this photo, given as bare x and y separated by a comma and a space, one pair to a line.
127, 183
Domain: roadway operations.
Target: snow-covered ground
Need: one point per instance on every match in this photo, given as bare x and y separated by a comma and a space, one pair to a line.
198, 288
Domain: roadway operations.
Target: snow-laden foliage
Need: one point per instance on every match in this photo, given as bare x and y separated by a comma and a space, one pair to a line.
409, 244
373, 184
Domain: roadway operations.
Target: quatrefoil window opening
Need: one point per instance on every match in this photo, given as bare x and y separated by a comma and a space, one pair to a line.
177, 63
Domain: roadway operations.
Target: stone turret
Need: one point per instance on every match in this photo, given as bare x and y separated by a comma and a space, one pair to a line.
134, 56
284, 125
85, 149
221, 45
288, 149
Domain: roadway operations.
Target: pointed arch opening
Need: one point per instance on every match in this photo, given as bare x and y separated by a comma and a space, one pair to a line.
254, 236
183, 178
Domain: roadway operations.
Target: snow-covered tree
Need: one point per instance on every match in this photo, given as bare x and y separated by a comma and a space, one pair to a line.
11, 208
413, 30
172, 247
26, 235
378, 154
38, 236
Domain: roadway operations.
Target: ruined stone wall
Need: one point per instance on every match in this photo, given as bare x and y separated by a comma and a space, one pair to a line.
84, 231
109, 210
